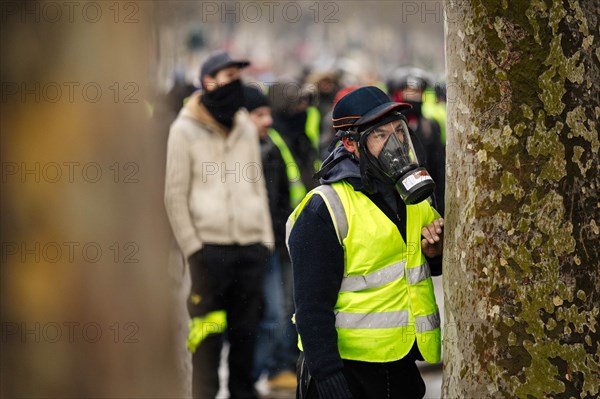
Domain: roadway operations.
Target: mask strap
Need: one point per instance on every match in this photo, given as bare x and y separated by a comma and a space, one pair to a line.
333, 144
323, 171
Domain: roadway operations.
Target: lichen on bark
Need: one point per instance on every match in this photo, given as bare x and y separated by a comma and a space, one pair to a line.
522, 280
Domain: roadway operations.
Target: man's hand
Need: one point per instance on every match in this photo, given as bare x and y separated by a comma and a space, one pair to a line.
432, 243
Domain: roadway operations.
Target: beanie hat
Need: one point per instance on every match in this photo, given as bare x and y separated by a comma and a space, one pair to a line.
254, 98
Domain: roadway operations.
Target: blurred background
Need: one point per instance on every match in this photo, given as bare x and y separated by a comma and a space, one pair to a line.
92, 287
366, 40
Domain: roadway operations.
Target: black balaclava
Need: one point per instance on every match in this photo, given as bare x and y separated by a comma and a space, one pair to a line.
224, 101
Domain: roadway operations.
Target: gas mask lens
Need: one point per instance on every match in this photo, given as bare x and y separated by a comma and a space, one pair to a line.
390, 144
391, 151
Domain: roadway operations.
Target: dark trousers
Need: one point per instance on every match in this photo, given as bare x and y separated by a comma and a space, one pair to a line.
227, 277
400, 379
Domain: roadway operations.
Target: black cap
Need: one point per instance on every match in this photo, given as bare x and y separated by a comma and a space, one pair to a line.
362, 106
218, 60
254, 98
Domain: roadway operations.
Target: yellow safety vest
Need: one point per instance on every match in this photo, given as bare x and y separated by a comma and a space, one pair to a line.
313, 126
313, 132
297, 188
386, 300
435, 110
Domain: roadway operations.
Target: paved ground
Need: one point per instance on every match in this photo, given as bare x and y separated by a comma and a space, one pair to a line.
431, 373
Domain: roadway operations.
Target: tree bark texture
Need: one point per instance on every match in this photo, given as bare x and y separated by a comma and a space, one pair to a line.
522, 265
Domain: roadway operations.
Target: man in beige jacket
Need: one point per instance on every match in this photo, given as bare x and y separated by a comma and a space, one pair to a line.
217, 205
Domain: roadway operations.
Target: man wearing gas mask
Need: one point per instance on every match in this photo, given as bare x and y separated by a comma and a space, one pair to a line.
364, 246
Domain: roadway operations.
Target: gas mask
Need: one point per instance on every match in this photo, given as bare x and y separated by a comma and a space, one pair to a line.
387, 154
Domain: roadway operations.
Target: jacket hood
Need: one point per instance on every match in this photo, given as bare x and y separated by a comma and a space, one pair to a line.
342, 166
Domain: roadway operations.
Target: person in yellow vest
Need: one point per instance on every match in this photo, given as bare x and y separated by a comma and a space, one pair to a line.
326, 85
434, 107
275, 355
364, 246
297, 123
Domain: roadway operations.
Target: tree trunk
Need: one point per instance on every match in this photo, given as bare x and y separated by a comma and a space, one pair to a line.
522, 276
87, 305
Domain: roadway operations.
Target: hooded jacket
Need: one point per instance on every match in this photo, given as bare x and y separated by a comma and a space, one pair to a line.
214, 189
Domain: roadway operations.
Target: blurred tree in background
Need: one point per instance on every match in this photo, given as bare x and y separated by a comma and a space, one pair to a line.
86, 308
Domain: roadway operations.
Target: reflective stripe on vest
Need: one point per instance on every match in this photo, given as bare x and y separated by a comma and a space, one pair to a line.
375, 279
372, 320
428, 323
386, 320
335, 207
332, 200
415, 275
385, 276
297, 188
386, 299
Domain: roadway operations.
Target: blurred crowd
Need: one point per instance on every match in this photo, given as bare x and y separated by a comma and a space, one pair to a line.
293, 117
298, 100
